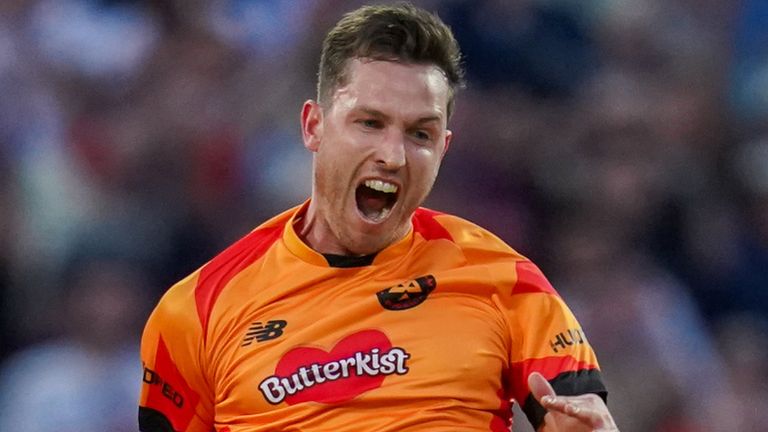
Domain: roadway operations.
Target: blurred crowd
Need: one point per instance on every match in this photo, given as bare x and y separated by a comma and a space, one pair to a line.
620, 144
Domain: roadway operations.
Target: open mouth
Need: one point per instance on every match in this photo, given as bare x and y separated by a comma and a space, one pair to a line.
375, 199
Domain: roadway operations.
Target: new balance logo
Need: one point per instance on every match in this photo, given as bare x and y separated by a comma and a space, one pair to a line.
264, 331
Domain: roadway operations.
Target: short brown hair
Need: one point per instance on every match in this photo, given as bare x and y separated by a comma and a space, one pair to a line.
401, 33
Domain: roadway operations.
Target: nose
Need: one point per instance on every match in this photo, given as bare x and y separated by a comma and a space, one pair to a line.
390, 154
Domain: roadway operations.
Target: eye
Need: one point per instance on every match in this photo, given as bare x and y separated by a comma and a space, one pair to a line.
370, 123
422, 135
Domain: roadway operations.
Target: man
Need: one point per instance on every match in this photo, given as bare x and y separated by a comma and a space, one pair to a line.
358, 310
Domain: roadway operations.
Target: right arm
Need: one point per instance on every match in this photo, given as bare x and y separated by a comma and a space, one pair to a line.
175, 396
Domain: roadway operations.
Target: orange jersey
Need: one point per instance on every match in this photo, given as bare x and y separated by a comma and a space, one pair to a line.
438, 332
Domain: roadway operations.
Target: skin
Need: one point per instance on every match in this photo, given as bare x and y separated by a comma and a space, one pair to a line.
584, 413
389, 122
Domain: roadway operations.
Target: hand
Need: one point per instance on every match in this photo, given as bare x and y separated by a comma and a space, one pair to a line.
586, 413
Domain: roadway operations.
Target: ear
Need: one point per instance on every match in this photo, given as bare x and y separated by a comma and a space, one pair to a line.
312, 125
448, 137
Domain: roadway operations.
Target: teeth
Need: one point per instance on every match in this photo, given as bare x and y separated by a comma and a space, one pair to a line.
381, 186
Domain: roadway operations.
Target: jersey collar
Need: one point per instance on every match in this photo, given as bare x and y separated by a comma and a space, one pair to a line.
301, 250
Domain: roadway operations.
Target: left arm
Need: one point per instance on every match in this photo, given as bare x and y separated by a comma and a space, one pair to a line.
586, 412
548, 343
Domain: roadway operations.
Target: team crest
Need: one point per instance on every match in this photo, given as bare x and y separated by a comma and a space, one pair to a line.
407, 294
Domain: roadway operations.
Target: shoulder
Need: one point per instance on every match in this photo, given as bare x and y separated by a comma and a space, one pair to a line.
468, 236
198, 292
512, 272
256, 241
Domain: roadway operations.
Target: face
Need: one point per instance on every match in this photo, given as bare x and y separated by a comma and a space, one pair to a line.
377, 145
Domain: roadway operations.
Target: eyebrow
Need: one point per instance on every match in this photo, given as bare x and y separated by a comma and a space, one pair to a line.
378, 114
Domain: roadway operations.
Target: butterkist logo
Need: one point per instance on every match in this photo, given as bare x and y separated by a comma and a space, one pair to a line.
356, 364
275, 389
407, 294
263, 332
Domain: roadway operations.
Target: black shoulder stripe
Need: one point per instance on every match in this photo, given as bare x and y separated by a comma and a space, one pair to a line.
151, 420
566, 384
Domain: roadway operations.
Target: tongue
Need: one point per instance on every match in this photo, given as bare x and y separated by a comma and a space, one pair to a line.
371, 202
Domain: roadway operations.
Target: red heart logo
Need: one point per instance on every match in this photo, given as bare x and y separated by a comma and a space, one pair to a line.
309, 363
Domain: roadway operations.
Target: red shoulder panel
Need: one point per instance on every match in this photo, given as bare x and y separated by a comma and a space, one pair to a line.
425, 224
215, 275
531, 280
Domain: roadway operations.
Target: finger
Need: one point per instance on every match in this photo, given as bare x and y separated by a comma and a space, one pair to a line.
586, 415
575, 410
551, 422
540, 388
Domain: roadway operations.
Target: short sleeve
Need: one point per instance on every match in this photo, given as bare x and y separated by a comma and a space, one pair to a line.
175, 396
547, 338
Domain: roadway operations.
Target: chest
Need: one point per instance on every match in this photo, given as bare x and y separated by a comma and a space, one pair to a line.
330, 340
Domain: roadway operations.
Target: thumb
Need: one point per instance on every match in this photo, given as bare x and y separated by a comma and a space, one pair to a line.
539, 386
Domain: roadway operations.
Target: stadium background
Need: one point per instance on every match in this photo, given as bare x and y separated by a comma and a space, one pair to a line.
621, 144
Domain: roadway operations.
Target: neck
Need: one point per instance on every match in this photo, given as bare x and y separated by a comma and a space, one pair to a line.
317, 234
